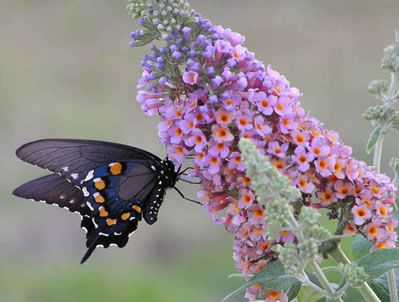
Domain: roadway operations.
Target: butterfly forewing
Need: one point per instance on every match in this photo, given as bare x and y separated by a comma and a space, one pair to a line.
73, 159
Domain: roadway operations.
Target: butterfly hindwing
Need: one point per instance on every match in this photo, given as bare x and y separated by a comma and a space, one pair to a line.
115, 193
54, 189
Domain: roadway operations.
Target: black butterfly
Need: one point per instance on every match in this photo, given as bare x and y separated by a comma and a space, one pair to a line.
112, 186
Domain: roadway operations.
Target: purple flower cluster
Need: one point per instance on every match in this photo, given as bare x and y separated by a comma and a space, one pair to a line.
210, 91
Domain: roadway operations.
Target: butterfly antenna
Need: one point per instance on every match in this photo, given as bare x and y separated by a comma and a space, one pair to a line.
184, 197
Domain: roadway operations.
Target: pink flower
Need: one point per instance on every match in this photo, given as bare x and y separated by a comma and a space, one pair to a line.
190, 77
276, 149
235, 161
276, 296
197, 140
261, 127
214, 164
324, 166
302, 158
319, 147
221, 134
282, 106
224, 117
265, 103
360, 214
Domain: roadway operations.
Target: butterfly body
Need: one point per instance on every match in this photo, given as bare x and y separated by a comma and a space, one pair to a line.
111, 186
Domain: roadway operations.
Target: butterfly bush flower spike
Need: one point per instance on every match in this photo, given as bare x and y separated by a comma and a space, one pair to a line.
209, 92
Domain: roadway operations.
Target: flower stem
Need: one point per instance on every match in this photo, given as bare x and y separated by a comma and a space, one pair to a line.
364, 289
393, 291
323, 281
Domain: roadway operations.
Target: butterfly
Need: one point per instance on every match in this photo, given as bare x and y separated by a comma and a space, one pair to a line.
112, 186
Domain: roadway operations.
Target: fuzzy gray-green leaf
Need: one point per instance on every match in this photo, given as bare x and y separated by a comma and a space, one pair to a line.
379, 262
374, 136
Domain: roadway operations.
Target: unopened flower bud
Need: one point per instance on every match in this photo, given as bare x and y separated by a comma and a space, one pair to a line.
355, 275
377, 87
390, 60
308, 249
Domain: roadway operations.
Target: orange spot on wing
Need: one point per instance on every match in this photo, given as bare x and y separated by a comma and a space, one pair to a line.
125, 216
103, 212
115, 168
136, 208
99, 184
99, 198
110, 221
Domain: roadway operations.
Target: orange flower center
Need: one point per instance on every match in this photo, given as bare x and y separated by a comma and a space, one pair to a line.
265, 103
375, 190
179, 150
243, 121
302, 159
361, 212
302, 183
178, 131
344, 190
277, 150
258, 213
179, 113
300, 139
383, 211
222, 132
246, 198
372, 231
199, 117
213, 160
381, 245
280, 106
323, 164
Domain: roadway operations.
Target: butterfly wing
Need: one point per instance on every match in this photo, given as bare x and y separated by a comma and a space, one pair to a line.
73, 159
114, 184
115, 193
56, 190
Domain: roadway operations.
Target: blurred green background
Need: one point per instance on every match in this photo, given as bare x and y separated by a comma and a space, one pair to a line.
66, 71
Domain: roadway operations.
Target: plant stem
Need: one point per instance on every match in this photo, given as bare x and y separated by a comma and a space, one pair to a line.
324, 281
332, 295
365, 290
393, 291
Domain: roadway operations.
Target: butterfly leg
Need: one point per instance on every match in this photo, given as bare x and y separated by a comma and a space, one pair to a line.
190, 182
184, 197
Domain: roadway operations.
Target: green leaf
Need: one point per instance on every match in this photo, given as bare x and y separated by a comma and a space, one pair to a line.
272, 277
379, 262
293, 291
380, 288
374, 136
360, 247
309, 295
